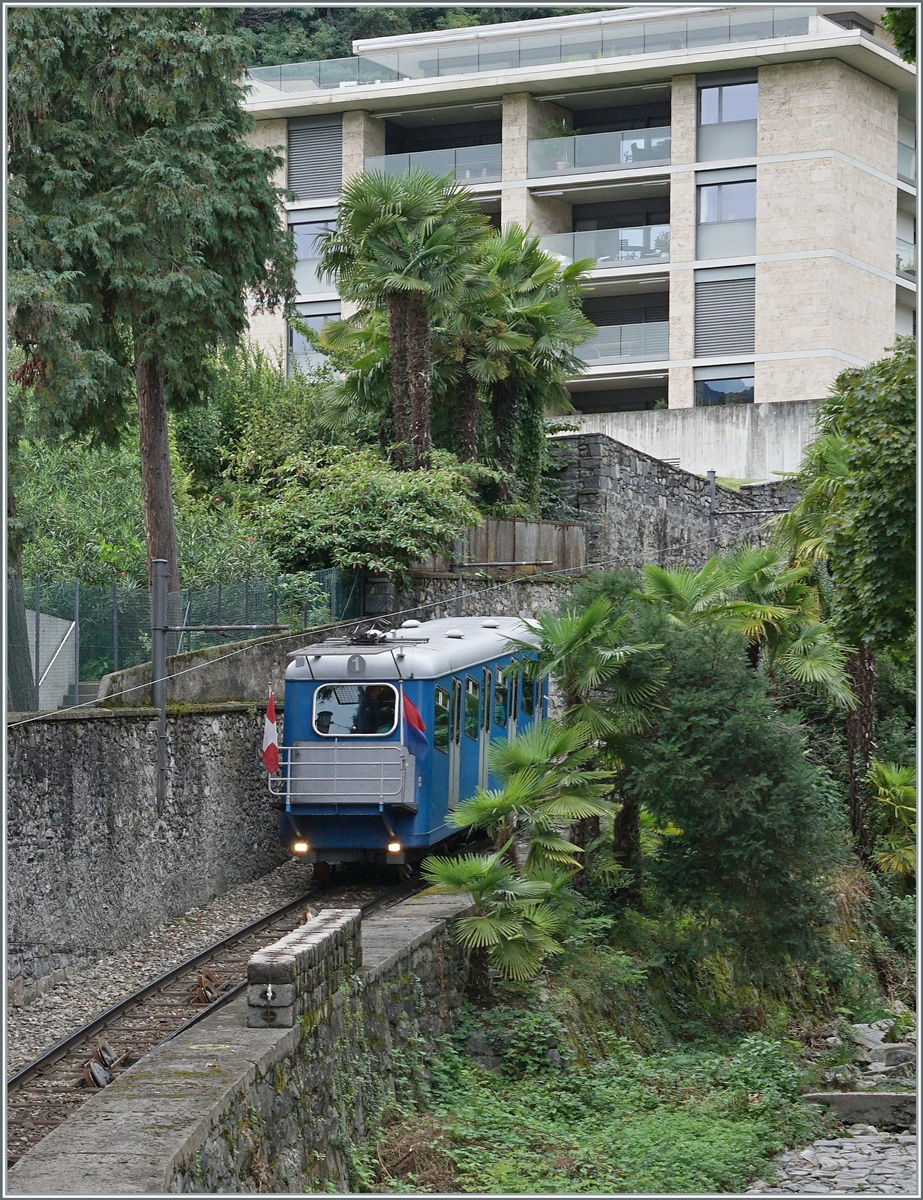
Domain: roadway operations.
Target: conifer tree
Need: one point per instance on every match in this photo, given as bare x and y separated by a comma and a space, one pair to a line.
141, 221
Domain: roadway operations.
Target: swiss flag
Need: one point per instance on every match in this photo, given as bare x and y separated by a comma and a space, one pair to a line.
271, 738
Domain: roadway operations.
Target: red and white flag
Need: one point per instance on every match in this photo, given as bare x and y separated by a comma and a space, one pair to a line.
271, 738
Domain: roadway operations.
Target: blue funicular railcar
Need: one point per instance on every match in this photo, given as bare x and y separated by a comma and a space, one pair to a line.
386, 731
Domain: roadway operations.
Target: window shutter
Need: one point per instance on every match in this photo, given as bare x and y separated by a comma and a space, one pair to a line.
315, 156
724, 317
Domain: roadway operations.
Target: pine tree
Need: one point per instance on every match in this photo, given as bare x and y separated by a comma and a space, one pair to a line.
141, 221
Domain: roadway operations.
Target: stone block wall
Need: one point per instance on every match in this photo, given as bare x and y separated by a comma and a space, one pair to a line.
226, 1108
300, 971
641, 510
92, 864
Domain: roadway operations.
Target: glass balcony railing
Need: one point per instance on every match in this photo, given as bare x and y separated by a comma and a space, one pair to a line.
907, 162
470, 164
611, 247
599, 151
545, 49
906, 257
627, 343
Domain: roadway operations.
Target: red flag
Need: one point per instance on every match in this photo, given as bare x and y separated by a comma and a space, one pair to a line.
271, 737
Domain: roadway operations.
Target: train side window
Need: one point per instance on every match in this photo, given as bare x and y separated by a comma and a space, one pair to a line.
512, 674
528, 695
472, 706
501, 699
487, 676
441, 723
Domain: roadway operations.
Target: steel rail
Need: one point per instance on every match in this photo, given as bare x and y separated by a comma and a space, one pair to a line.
61, 1048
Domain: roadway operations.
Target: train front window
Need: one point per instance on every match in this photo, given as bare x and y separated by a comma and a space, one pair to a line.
355, 710
472, 706
441, 723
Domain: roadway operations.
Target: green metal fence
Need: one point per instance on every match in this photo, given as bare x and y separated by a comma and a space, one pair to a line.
62, 637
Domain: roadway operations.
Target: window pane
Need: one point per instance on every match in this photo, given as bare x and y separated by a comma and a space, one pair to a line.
708, 105
306, 235
723, 391
738, 102
528, 696
348, 708
441, 722
738, 201
501, 699
708, 204
472, 693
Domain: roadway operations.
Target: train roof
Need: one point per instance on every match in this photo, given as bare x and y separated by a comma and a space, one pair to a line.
417, 650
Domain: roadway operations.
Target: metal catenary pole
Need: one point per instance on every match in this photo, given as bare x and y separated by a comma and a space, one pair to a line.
115, 626
159, 584
38, 626
76, 644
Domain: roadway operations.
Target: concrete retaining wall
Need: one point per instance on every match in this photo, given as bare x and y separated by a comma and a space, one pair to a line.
225, 1108
91, 862
740, 441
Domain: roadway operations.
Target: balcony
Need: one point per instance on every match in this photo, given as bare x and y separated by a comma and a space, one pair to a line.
620, 150
470, 164
611, 247
907, 162
906, 257
627, 343
622, 40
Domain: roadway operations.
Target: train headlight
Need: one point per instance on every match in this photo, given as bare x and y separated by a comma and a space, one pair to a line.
394, 847
300, 847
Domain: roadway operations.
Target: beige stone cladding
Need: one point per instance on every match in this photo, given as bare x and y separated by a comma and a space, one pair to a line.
680, 388
806, 306
363, 137
683, 119
826, 105
267, 330
795, 378
272, 134
525, 120
825, 204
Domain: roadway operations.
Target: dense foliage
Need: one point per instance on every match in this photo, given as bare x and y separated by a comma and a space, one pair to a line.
141, 221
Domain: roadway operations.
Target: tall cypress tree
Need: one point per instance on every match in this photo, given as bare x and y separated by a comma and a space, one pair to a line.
141, 220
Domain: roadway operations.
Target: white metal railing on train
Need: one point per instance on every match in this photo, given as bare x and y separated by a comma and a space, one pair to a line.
341, 773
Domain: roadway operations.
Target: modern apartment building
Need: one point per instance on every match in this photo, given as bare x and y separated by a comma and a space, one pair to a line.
744, 177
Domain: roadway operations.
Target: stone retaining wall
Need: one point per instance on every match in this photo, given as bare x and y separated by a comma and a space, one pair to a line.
92, 864
225, 1108
641, 510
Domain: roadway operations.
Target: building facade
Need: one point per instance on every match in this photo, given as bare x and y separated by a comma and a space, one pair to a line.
744, 179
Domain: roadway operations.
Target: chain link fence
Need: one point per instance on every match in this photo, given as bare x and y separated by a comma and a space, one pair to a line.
62, 637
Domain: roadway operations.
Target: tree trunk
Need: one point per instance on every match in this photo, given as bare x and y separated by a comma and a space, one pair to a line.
400, 398
156, 482
419, 381
20, 680
860, 667
466, 399
626, 847
504, 411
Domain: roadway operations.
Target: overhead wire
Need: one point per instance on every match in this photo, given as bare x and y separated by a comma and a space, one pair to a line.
315, 629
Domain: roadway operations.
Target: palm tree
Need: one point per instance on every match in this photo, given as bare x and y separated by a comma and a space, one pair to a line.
406, 243
608, 684
759, 593
548, 777
895, 788
512, 927
538, 300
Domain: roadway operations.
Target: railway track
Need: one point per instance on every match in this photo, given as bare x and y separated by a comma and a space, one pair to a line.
44, 1093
